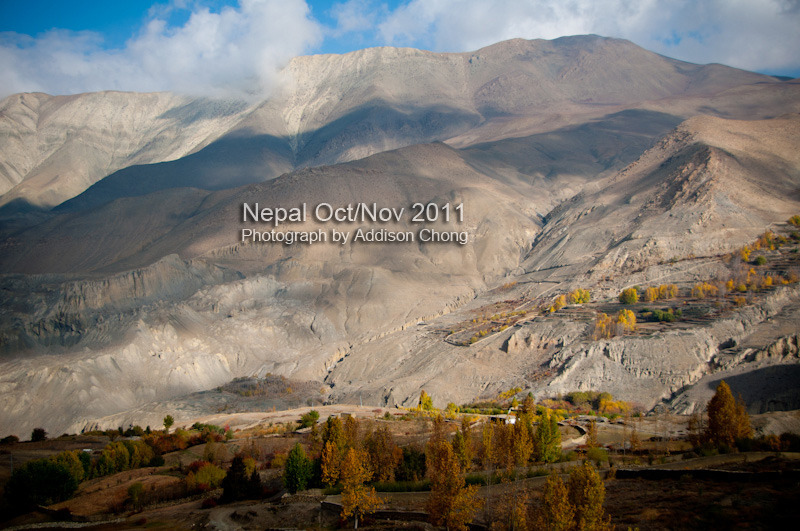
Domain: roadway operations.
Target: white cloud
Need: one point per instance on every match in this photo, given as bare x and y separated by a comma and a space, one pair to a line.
237, 51
354, 16
756, 35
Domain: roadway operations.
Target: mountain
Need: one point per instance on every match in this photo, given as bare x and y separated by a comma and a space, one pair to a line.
579, 162
330, 109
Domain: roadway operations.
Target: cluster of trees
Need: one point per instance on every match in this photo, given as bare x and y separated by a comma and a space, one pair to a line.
576, 505
606, 327
669, 315
662, 292
580, 296
56, 478
704, 289
533, 437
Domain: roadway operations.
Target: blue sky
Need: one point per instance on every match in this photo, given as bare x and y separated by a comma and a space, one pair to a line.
230, 47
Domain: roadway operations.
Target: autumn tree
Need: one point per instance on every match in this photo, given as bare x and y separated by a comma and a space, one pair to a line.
626, 320
451, 503
591, 435
557, 513
580, 296
651, 294
586, 494
603, 327
357, 498
728, 420
425, 401
351, 431
333, 445
522, 444
384, 455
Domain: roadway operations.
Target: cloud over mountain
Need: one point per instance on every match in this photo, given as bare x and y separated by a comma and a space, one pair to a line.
236, 51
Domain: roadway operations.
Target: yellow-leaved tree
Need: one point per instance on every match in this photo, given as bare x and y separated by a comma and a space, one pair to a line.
728, 420
357, 498
451, 503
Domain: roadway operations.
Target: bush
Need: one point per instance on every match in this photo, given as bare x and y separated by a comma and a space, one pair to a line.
761, 260
11, 439
38, 434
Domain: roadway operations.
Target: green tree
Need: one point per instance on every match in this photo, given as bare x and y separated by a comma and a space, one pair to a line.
547, 442
298, 470
309, 419
629, 296
168, 422
238, 485
135, 494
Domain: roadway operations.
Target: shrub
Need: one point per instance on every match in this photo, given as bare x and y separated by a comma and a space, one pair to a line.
795, 220
10, 439
761, 260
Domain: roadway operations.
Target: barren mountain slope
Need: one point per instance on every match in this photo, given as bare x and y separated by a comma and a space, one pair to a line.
180, 326
54, 147
346, 314
703, 190
708, 188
